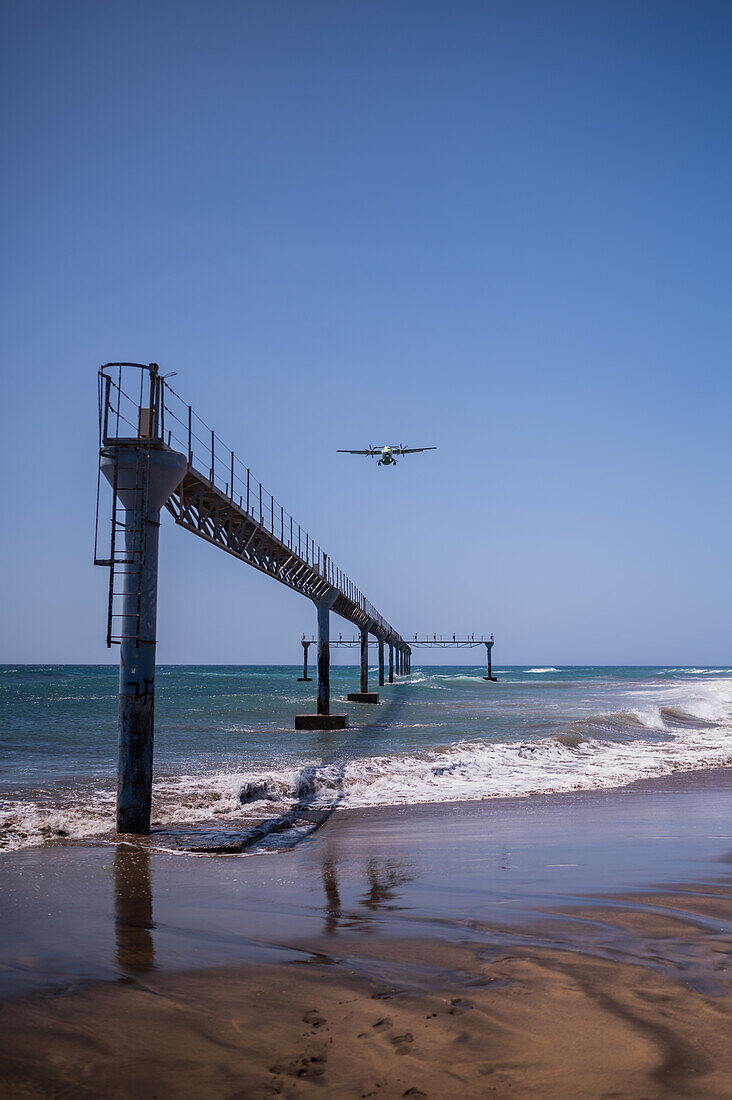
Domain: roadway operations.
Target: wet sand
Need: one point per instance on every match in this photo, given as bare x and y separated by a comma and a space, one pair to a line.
557, 946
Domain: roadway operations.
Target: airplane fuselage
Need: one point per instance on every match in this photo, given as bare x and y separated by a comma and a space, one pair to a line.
387, 455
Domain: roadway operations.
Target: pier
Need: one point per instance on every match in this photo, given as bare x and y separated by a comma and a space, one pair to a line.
156, 452
404, 665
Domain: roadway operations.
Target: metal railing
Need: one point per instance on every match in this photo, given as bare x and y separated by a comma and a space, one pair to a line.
137, 403
435, 642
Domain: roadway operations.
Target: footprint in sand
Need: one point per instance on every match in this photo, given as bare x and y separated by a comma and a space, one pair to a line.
312, 1066
403, 1042
314, 1018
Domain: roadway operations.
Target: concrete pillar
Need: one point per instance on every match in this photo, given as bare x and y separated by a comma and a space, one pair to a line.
488, 648
364, 695
323, 719
145, 477
323, 704
305, 679
381, 662
391, 663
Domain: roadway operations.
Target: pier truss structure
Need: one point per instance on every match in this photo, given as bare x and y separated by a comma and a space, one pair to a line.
156, 452
403, 662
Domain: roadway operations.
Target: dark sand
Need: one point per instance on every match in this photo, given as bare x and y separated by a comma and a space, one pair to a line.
557, 946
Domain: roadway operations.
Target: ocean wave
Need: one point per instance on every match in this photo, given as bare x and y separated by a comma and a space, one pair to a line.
443, 679
571, 760
620, 725
441, 750
542, 670
680, 716
25, 823
475, 771
704, 671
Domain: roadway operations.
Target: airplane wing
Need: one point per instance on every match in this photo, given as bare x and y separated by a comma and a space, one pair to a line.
412, 450
371, 452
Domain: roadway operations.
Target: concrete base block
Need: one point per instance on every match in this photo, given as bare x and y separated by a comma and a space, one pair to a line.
363, 697
493, 679
321, 721
304, 679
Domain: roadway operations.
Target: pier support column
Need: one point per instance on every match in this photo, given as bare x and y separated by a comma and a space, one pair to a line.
323, 719
323, 608
144, 478
364, 695
305, 679
488, 648
391, 663
381, 662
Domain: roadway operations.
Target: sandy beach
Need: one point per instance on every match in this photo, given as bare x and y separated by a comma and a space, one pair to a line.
562, 945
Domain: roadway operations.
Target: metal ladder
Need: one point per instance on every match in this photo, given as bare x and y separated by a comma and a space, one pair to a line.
122, 562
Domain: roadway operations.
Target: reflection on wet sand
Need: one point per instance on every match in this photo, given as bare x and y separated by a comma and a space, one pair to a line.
333, 911
382, 876
133, 910
383, 881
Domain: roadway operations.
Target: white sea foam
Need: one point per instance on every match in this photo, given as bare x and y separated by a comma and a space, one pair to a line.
26, 823
474, 770
467, 771
702, 671
542, 670
680, 727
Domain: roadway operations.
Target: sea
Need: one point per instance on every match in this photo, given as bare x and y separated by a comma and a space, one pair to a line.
227, 756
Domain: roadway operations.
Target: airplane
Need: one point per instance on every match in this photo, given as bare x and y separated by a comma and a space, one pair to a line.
386, 454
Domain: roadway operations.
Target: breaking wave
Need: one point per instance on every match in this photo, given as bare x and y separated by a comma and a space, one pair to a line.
573, 759
681, 727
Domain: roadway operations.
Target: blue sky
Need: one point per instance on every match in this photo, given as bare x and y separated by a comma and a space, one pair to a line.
499, 228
